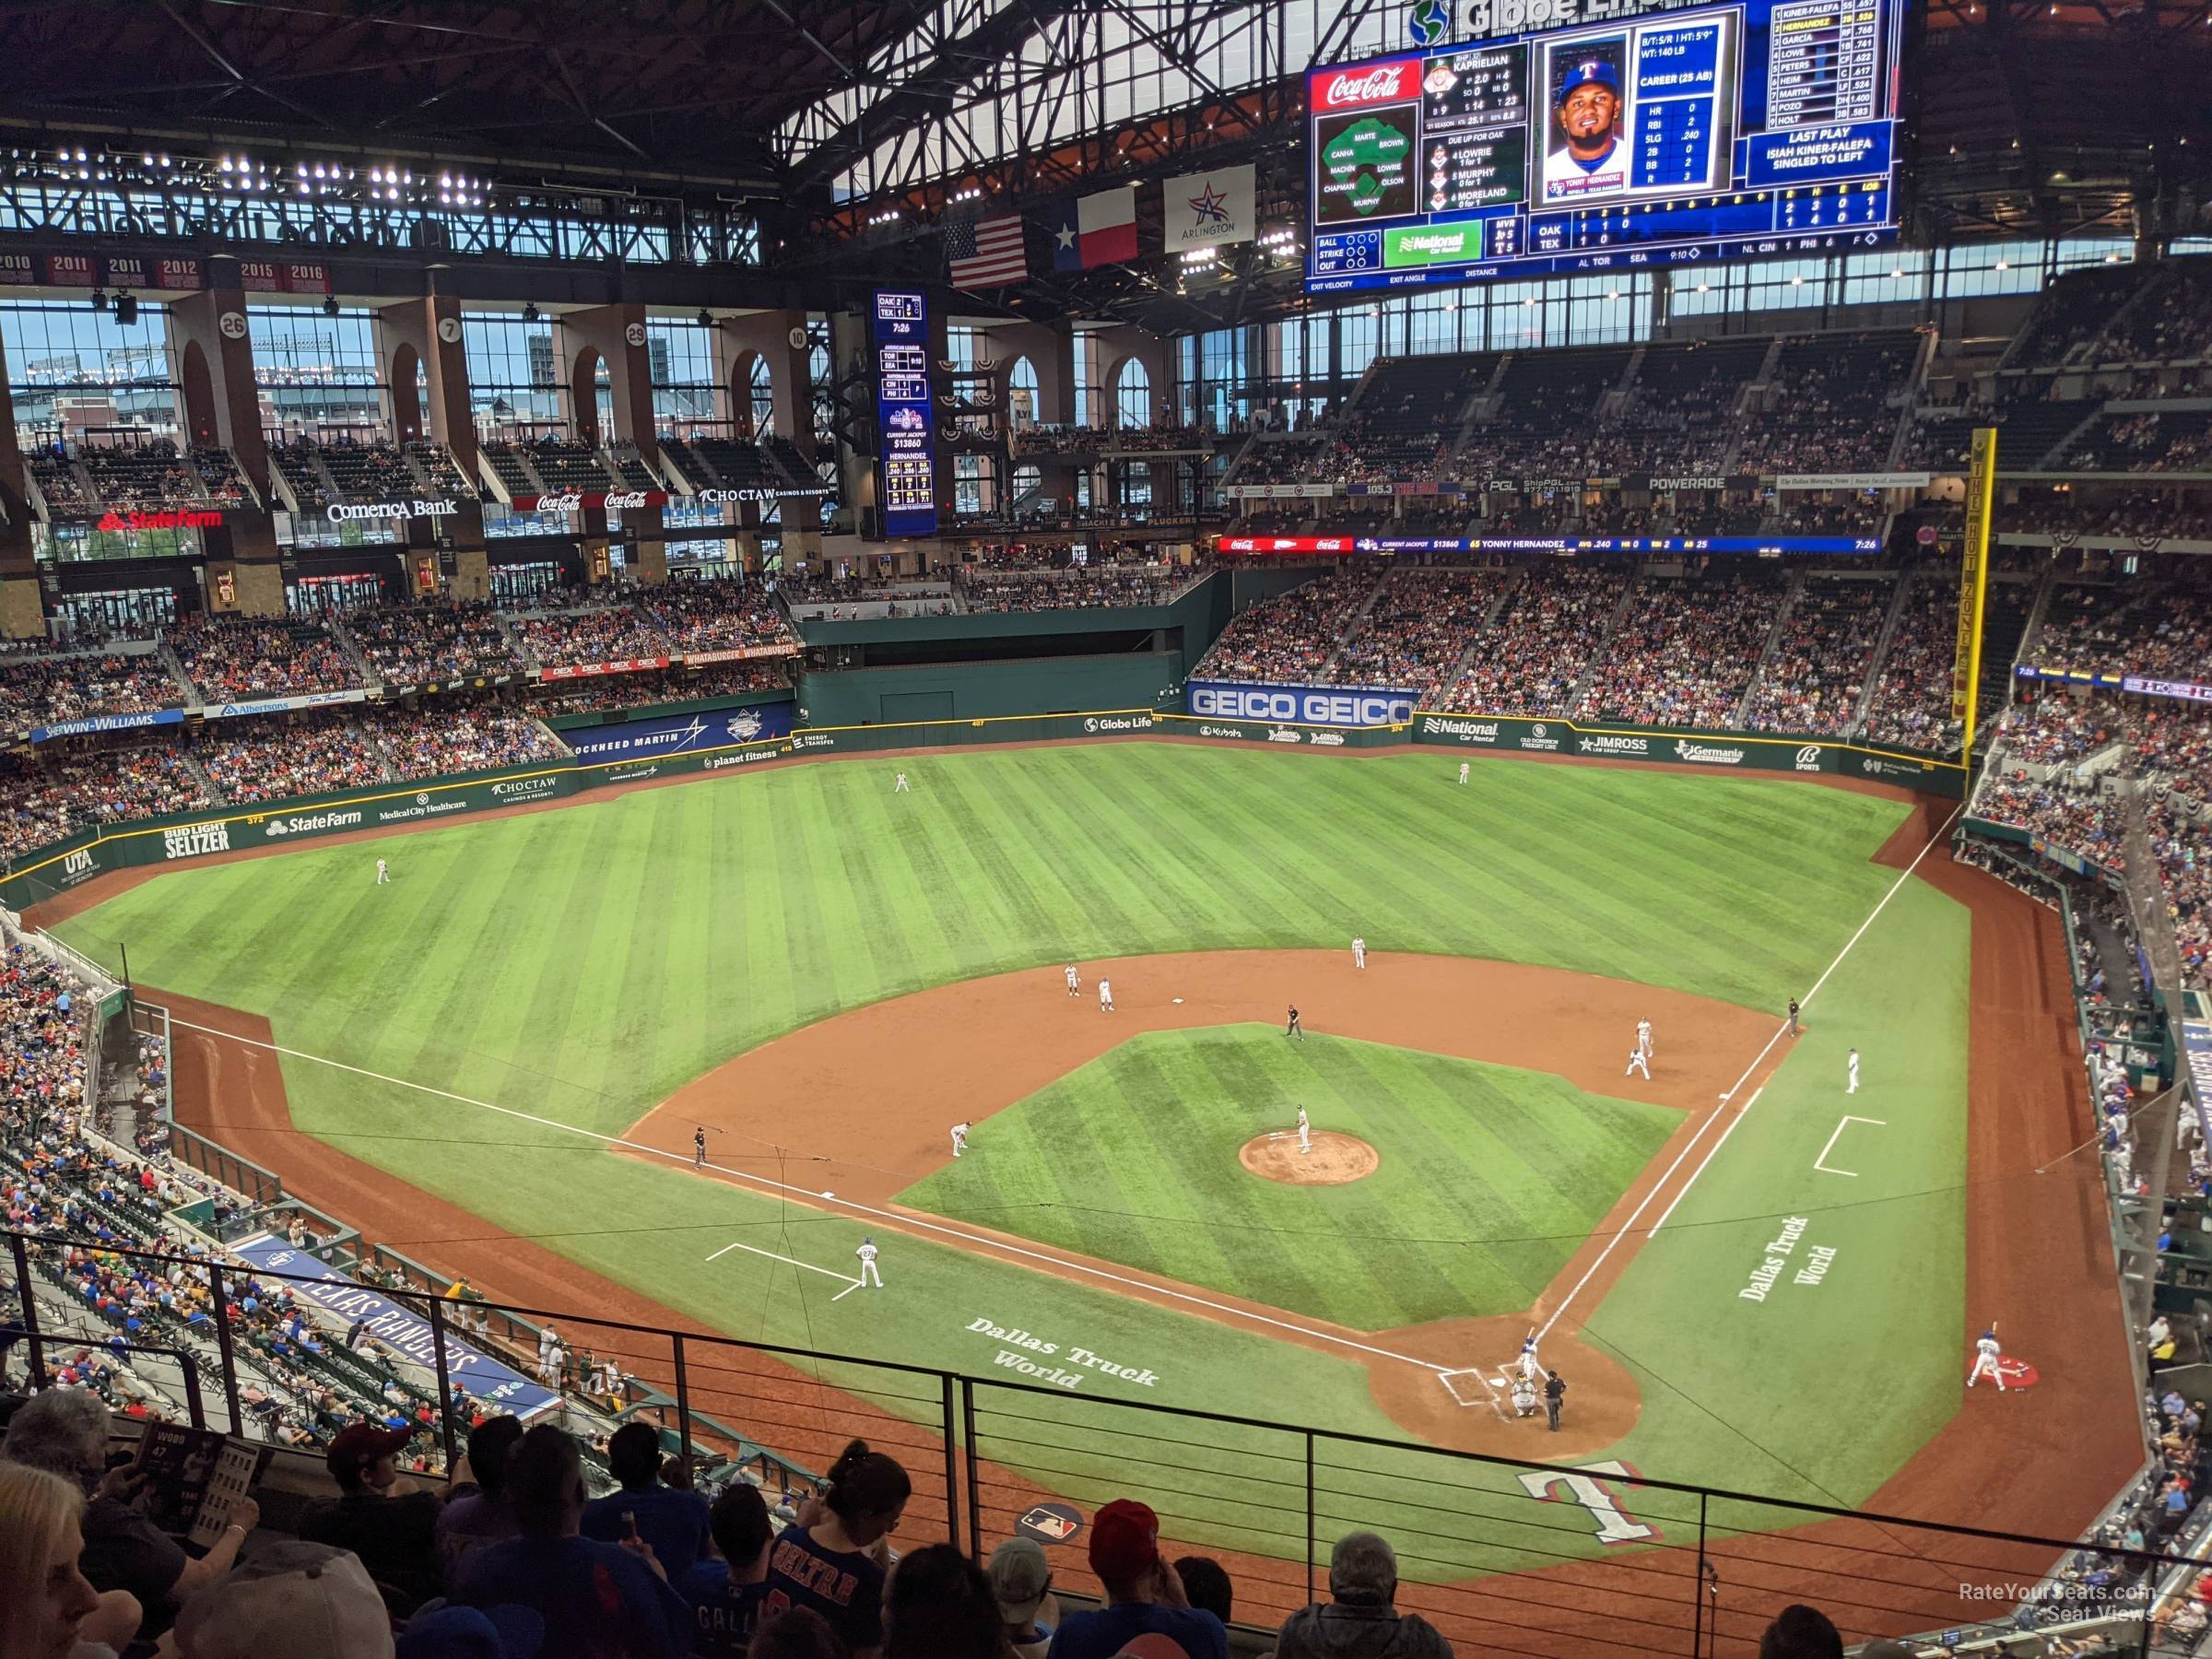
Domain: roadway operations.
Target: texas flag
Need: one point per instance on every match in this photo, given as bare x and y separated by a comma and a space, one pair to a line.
1094, 230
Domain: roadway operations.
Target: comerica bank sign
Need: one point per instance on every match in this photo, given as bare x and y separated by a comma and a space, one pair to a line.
1300, 705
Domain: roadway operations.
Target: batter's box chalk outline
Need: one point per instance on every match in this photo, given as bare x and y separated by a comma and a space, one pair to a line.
1455, 1385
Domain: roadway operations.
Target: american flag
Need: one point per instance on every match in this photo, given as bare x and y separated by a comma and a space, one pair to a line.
986, 252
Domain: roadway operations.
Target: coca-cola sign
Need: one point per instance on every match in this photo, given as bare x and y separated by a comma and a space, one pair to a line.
573, 501
1353, 89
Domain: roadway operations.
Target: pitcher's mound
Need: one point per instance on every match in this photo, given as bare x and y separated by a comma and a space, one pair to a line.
1336, 1158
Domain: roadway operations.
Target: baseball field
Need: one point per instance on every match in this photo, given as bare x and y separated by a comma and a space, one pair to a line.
1750, 1277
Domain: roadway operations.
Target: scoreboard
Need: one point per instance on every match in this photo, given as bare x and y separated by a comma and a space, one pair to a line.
1622, 136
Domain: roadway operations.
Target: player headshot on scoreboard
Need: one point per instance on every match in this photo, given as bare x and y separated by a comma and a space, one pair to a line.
1585, 155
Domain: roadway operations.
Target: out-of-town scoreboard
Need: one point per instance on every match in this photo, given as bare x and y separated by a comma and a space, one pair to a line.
1601, 136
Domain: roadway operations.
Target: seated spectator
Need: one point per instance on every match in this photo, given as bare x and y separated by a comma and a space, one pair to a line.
728, 1590
1143, 1595
597, 1600
1206, 1585
1800, 1633
45, 1600
1359, 1622
1021, 1581
797, 1633
939, 1605
64, 1433
478, 1514
673, 1521
291, 1601
833, 1560
382, 1515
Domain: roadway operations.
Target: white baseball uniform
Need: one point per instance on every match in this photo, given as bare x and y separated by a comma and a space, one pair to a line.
1105, 996
1075, 985
1985, 1361
1463, 772
384, 874
959, 1139
869, 1273
899, 787
1305, 1132
1637, 1063
1643, 1038
1855, 1073
1359, 951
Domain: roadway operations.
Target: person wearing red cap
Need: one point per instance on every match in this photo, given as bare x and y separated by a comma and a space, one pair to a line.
1143, 1595
380, 1515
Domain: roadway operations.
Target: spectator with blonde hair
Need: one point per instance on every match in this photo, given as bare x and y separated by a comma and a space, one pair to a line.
45, 1601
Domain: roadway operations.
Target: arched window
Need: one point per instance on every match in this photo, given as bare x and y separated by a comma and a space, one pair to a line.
1132, 394
1021, 395
764, 399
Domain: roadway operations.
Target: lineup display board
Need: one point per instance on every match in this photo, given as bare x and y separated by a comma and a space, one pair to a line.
1623, 136
904, 413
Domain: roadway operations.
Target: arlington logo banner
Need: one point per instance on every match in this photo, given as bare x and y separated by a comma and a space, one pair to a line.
1207, 209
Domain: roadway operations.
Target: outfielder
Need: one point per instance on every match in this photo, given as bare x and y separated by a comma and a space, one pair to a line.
1359, 951
1643, 1039
899, 787
1074, 981
1985, 1359
1105, 996
384, 874
869, 1273
1855, 1073
959, 1137
1638, 1062
1463, 772
1305, 1132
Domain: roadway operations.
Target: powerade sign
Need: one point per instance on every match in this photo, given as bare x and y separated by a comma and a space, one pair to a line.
680, 734
1300, 705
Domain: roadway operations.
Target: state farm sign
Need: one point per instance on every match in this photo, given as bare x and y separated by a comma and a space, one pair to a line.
1370, 84
167, 519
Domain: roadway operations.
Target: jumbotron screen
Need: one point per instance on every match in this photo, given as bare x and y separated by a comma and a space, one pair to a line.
1621, 136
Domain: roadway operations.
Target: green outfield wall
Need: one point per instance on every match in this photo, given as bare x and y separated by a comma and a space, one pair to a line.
62, 865
988, 690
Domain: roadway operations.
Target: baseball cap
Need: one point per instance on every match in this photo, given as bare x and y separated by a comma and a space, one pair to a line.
1018, 1574
1152, 1644
293, 1600
1588, 71
505, 1631
1125, 1540
363, 1442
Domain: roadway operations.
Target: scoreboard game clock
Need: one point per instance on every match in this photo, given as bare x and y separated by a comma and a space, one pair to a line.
1622, 136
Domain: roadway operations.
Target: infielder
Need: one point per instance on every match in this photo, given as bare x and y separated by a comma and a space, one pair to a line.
899, 787
1638, 1062
1463, 772
1643, 1039
1105, 996
1074, 981
384, 874
1855, 1073
959, 1137
1985, 1359
698, 1147
869, 1273
1359, 952
1305, 1132
1293, 1028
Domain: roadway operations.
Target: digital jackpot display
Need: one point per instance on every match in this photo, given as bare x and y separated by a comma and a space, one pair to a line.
904, 414
1620, 136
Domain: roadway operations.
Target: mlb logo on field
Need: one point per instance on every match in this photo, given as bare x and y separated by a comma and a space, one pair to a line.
1051, 1523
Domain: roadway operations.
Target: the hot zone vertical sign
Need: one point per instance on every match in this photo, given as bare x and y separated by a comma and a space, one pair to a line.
1974, 581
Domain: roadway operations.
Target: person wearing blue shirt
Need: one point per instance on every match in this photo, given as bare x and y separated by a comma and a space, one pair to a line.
673, 1521
728, 1589
1143, 1593
833, 1560
598, 1601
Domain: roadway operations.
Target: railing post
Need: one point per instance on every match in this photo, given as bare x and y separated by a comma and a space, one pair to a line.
30, 1308
190, 1363
223, 1344
1310, 1528
445, 1382
975, 1489
1697, 1636
952, 1467
683, 1409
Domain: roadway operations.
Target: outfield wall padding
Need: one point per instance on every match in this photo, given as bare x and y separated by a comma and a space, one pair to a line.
56, 868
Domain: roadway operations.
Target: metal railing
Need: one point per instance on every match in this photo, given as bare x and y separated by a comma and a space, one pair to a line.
1504, 1556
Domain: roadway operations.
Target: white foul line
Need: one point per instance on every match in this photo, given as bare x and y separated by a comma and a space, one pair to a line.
1820, 1164
849, 1281
908, 1221
1629, 1225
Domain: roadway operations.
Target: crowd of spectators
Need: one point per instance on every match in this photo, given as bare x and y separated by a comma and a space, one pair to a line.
2156, 627
1291, 637
602, 693
229, 659
224, 484
1077, 587
57, 480
606, 633
2060, 729
57, 793
41, 687
1815, 678
1912, 704
267, 758
716, 616
371, 472
1684, 653
432, 644
2077, 817
426, 742
1530, 661
150, 473
2145, 440
1414, 634
2136, 515
2173, 324
1833, 404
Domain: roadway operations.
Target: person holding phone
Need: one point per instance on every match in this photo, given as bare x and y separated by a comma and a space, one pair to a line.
673, 1522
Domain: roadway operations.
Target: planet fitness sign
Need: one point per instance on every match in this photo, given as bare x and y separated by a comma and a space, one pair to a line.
1300, 705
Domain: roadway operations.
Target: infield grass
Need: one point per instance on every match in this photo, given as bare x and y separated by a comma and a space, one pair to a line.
1490, 1175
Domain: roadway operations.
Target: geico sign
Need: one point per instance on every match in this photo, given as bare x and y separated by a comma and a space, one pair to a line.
1314, 708
339, 512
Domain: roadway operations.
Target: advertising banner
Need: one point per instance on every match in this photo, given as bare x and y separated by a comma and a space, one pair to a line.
739, 653
1299, 705
1720, 751
399, 1328
591, 670
578, 500
282, 705
1341, 544
107, 723
2196, 1061
680, 734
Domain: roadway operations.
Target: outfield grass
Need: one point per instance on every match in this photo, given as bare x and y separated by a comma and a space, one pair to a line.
579, 964
1490, 1176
